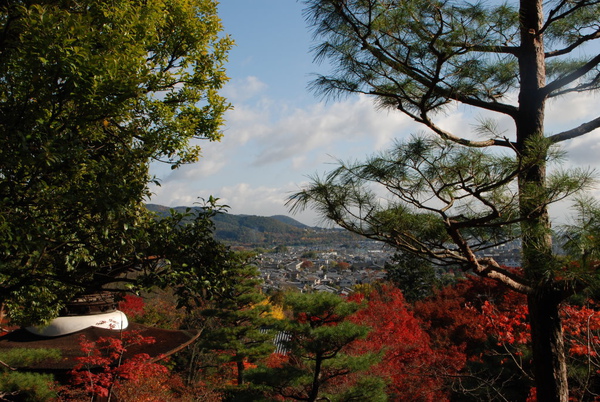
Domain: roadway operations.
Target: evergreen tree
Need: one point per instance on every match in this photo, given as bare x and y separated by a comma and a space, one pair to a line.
22, 385
241, 327
415, 276
316, 365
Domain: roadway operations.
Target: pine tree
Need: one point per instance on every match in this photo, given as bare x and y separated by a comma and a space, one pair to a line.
240, 322
452, 195
316, 364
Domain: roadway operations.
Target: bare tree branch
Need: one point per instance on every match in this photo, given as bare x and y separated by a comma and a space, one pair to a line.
569, 78
576, 132
574, 45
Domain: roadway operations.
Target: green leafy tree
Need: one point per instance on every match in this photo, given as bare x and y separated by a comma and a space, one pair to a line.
581, 237
452, 197
90, 93
280, 249
316, 365
182, 254
310, 254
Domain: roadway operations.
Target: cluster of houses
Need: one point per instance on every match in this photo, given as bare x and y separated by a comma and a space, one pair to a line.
334, 271
338, 269
507, 254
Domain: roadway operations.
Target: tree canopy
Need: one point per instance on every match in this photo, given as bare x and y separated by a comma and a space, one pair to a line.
451, 196
90, 93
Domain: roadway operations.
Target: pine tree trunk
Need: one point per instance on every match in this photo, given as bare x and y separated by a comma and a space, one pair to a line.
538, 260
240, 372
314, 389
549, 360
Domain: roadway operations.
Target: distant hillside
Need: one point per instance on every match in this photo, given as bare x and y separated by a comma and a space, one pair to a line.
254, 229
161, 210
266, 231
290, 221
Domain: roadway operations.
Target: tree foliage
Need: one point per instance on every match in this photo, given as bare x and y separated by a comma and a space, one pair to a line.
23, 385
90, 93
487, 324
412, 368
506, 322
317, 363
102, 368
455, 321
240, 330
415, 276
445, 203
102, 372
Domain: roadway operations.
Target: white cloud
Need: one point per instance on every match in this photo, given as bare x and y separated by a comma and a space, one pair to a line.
205, 167
298, 161
253, 200
267, 133
464, 123
241, 90
584, 151
173, 194
247, 123
327, 127
241, 197
570, 111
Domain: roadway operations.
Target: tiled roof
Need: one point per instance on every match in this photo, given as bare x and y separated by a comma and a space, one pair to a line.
166, 343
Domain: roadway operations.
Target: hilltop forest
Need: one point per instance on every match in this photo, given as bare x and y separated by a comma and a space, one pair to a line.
261, 231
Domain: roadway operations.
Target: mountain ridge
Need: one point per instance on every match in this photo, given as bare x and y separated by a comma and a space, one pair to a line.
161, 209
257, 230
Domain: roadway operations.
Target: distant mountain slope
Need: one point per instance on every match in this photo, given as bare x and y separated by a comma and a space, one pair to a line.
159, 209
253, 229
290, 221
259, 230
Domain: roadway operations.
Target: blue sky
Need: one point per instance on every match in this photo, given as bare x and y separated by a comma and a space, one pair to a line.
279, 133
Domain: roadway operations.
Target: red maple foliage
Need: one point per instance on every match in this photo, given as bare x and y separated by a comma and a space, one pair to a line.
408, 361
103, 372
582, 327
508, 325
276, 360
489, 324
455, 319
507, 321
132, 306
103, 368
452, 317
